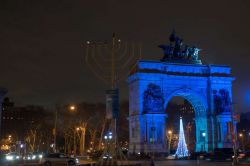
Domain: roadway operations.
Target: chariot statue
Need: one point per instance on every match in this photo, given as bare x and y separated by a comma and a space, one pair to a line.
177, 52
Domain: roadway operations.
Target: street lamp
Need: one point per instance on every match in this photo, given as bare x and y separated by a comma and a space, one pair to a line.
204, 138
71, 108
169, 140
242, 141
76, 130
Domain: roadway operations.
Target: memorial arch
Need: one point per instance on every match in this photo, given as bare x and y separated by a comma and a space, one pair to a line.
153, 84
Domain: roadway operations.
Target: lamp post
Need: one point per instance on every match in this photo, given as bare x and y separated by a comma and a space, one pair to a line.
76, 130
169, 140
242, 141
204, 138
71, 108
55, 127
235, 160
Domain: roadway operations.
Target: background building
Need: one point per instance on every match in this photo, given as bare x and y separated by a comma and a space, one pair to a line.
24, 124
3, 91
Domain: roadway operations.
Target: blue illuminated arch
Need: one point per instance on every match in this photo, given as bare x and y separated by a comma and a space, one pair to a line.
194, 82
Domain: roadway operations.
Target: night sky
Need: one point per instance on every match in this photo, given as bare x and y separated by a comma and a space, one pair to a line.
42, 61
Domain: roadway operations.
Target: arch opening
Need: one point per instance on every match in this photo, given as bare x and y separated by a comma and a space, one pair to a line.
192, 109
176, 108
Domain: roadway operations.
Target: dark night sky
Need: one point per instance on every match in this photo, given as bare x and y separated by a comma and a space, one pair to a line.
42, 61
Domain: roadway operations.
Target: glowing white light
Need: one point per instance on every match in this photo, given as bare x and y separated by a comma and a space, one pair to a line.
105, 137
110, 137
203, 134
9, 157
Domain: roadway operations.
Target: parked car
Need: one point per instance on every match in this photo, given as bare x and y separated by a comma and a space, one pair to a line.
198, 155
244, 156
13, 157
57, 159
221, 154
33, 157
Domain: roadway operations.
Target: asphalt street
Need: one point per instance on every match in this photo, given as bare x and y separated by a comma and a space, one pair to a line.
156, 163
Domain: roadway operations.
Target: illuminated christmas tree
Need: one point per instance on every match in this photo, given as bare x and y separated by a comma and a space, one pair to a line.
182, 150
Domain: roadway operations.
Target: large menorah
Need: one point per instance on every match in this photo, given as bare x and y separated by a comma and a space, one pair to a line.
111, 63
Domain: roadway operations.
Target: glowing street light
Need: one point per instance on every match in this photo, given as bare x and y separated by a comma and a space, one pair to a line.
204, 137
72, 108
169, 140
242, 141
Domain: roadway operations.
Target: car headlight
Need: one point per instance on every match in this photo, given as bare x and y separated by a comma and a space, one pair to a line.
9, 157
17, 157
77, 160
40, 156
29, 158
33, 157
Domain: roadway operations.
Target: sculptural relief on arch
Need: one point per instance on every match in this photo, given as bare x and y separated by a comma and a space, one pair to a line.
208, 88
